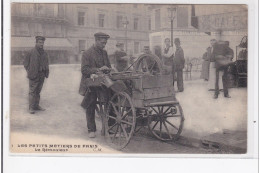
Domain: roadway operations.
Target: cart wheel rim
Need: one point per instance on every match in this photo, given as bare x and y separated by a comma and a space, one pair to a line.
166, 122
148, 63
120, 120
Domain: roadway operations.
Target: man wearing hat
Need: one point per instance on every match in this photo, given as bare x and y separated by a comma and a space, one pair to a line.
178, 64
37, 66
147, 50
120, 57
94, 60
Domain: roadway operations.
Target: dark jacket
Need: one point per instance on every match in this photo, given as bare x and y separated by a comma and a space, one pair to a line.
92, 59
36, 61
223, 50
120, 63
178, 60
208, 54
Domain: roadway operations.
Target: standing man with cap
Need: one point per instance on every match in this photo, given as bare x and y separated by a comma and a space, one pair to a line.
178, 64
94, 60
120, 57
36, 64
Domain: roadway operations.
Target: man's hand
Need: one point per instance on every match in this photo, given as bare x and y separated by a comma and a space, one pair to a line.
104, 68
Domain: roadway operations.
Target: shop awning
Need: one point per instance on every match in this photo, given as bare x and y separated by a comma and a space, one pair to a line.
25, 43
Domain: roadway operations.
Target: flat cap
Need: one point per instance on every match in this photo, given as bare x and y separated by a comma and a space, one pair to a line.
119, 44
101, 35
177, 40
40, 38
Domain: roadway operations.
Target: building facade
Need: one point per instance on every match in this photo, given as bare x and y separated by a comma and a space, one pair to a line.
224, 22
70, 28
48, 20
125, 23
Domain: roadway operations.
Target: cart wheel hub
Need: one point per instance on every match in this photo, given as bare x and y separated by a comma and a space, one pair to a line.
118, 120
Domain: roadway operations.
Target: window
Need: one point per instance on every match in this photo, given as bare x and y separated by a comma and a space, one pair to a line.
136, 47
49, 30
119, 22
182, 17
38, 29
149, 25
24, 29
135, 23
82, 45
15, 28
81, 18
157, 19
101, 20
40, 9
49, 10
61, 10
58, 32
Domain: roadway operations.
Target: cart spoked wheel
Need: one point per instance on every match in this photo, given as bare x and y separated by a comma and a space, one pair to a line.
120, 120
148, 63
166, 121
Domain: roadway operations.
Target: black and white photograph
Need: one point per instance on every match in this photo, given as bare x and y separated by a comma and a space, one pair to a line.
129, 78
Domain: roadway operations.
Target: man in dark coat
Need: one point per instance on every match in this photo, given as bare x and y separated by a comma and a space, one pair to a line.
222, 49
120, 57
37, 66
178, 64
94, 60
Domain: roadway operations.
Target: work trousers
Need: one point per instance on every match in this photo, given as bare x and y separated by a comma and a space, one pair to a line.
35, 87
178, 74
224, 80
103, 95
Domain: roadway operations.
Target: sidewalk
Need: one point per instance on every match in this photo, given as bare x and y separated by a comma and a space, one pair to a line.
212, 122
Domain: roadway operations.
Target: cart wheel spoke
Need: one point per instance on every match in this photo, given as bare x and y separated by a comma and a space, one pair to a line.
165, 112
155, 125
111, 127
155, 110
126, 113
161, 110
126, 122
119, 134
171, 124
145, 65
151, 68
124, 131
114, 107
109, 116
114, 136
167, 129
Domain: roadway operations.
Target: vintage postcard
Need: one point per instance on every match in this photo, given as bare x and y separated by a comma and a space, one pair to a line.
112, 78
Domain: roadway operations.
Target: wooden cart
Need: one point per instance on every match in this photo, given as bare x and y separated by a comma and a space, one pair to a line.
148, 101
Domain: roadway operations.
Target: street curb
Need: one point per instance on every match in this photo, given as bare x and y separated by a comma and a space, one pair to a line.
200, 143
207, 144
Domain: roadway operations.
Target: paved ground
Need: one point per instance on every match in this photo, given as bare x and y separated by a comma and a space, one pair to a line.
64, 120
